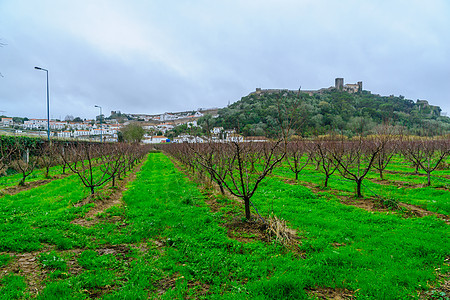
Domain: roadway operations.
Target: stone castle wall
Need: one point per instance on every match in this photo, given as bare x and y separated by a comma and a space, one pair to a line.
338, 84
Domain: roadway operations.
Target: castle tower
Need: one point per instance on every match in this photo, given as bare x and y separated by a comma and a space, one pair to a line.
360, 86
339, 83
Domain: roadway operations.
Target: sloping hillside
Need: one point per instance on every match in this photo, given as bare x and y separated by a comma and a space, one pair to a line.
330, 110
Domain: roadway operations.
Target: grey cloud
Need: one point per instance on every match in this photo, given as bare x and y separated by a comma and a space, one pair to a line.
153, 57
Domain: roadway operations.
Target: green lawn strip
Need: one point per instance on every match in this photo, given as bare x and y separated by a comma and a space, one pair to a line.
382, 256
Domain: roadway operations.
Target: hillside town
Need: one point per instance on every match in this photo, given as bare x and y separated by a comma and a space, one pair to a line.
107, 129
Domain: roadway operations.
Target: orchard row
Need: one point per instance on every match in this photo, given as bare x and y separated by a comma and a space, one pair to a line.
94, 163
240, 167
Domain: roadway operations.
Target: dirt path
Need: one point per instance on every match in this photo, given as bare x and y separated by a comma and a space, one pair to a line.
12, 190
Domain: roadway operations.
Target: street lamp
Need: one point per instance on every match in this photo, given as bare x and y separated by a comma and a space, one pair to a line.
101, 127
48, 104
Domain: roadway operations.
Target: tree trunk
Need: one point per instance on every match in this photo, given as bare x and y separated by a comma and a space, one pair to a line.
358, 188
428, 178
92, 190
113, 180
247, 208
381, 175
296, 175
325, 184
222, 191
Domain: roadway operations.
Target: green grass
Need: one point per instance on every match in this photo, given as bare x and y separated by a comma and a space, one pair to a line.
378, 247
433, 198
4, 259
167, 243
385, 255
12, 287
43, 215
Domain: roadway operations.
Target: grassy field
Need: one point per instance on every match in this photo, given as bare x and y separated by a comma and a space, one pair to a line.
400, 183
171, 239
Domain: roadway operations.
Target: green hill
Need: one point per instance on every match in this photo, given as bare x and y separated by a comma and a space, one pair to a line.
329, 110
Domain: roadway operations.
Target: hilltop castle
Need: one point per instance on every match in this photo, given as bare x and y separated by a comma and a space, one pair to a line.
338, 85
351, 88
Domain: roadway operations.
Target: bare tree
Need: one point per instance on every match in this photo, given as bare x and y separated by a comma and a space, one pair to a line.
59, 158
428, 153
328, 159
389, 139
297, 156
25, 162
355, 158
111, 160
211, 157
48, 157
6, 151
82, 159
247, 164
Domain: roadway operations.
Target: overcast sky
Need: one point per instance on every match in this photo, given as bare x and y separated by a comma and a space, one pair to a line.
161, 56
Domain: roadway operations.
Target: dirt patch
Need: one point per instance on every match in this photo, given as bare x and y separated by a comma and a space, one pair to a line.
374, 204
442, 289
417, 211
289, 181
119, 251
214, 206
200, 288
12, 190
404, 173
165, 284
364, 203
369, 204
26, 264
143, 246
329, 293
246, 231
398, 184
98, 292
73, 268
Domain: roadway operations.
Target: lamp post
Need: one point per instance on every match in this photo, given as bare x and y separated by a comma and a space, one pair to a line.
101, 127
48, 105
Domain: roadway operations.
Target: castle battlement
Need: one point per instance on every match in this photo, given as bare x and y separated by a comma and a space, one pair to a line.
338, 85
